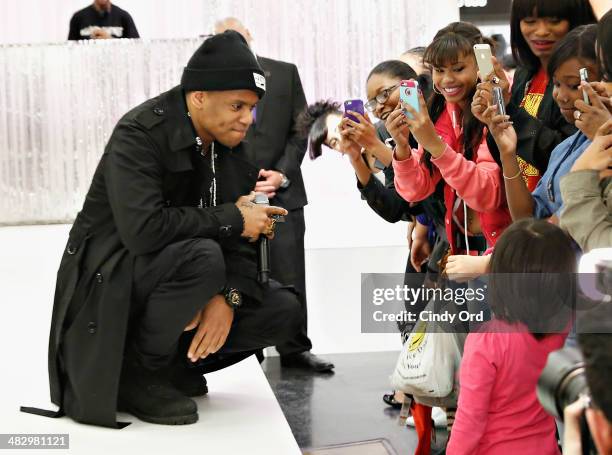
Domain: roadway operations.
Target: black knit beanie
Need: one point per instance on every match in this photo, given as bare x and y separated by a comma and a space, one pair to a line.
224, 62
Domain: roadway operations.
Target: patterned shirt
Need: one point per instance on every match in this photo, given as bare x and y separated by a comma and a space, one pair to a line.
534, 93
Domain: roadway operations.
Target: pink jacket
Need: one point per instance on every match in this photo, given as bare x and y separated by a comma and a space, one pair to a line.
498, 411
477, 182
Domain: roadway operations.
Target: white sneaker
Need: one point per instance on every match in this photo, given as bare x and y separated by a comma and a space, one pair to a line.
437, 414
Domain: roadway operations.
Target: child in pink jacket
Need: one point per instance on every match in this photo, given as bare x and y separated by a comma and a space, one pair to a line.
530, 291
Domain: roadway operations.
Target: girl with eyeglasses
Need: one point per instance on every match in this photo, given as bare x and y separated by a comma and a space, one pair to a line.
382, 86
320, 123
324, 124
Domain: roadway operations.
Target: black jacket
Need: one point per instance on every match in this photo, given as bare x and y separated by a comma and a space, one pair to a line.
143, 197
383, 198
272, 142
537, 137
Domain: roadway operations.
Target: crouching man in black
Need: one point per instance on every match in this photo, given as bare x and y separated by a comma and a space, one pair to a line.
158, 283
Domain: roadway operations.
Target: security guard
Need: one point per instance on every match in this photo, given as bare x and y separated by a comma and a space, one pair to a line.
157, 284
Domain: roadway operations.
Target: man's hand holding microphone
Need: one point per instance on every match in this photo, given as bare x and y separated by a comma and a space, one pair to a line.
259, 219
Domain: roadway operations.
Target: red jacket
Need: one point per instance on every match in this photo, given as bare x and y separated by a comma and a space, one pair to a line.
478, 182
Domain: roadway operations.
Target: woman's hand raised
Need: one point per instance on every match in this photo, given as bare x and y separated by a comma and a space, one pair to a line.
422, 128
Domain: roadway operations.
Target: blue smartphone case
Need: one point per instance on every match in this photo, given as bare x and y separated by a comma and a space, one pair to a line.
409, 95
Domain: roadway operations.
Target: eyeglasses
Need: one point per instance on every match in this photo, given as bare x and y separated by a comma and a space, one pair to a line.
380, 98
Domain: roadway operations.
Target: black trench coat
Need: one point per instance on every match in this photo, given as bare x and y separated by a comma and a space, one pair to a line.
143, 196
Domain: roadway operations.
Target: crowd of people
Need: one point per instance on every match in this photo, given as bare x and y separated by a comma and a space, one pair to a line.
522, 187
500, 174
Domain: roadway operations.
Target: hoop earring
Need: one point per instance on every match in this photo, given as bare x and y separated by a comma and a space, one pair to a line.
435, 90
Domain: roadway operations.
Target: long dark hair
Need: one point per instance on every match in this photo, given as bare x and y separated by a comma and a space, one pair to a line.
450, 43
604, 46
577, 12
579, 43
311, 124
532, 277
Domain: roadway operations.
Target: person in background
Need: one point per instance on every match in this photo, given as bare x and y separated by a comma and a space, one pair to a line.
500, 52
500, 45
498, 411
321, 122
509, 67
273, 145
414, 58
102, 20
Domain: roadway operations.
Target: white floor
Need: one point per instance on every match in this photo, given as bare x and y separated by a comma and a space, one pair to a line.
241, 414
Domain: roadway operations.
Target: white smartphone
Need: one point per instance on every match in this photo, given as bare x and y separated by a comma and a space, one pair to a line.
484, 59
584, 76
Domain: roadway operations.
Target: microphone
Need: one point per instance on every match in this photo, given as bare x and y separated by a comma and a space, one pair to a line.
263, 247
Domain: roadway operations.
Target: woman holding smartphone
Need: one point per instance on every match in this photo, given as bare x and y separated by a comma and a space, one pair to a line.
536, 26
574, 52
451, 148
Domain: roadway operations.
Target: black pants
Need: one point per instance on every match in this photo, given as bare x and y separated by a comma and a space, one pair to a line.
288, 267
171, 285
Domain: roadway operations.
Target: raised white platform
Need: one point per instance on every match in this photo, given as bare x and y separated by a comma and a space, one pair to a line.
240, 414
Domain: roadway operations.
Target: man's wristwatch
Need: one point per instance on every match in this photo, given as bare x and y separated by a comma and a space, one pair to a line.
233, 297
284, 180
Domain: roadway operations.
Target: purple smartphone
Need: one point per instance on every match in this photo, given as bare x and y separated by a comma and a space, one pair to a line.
355, 106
